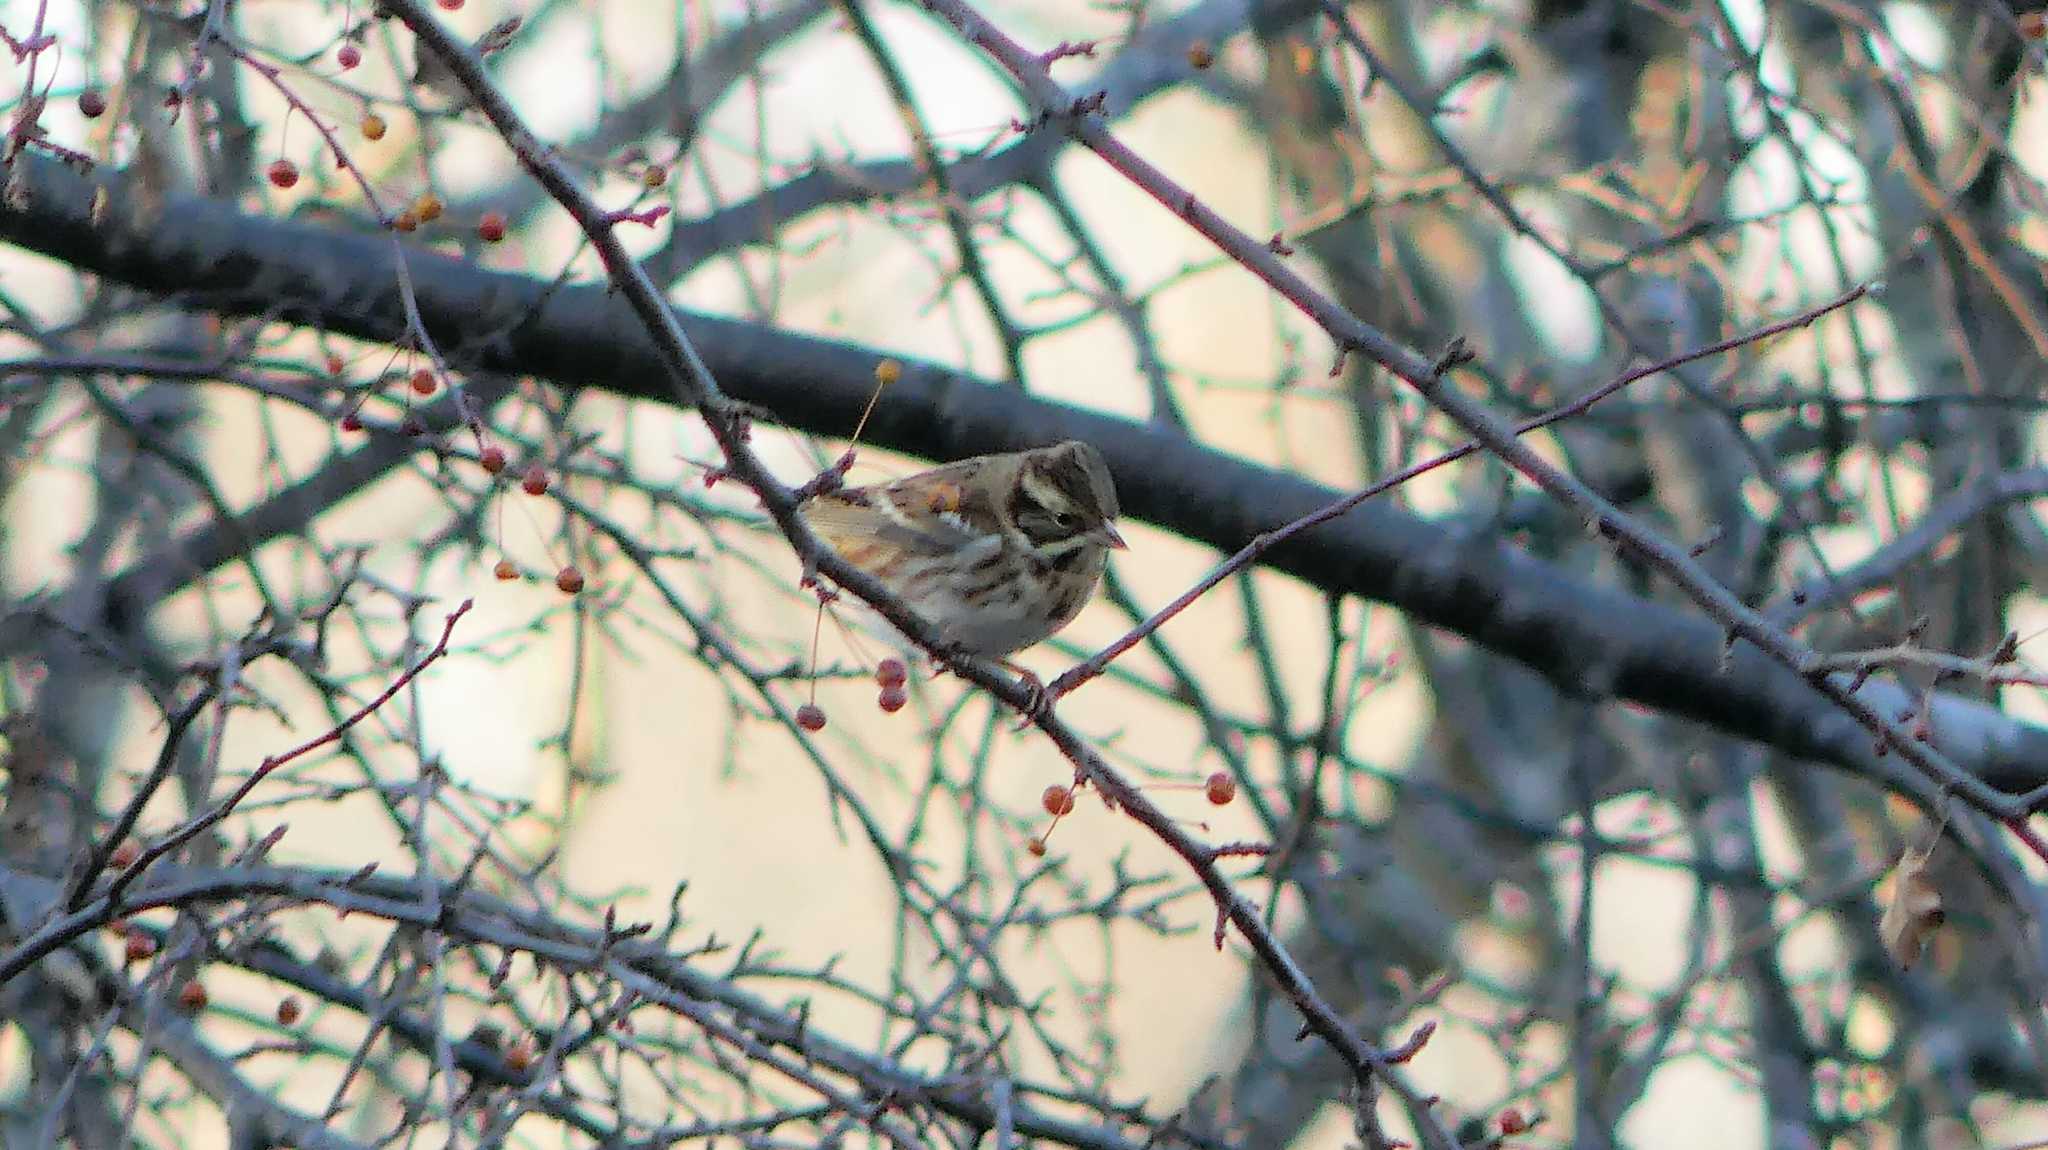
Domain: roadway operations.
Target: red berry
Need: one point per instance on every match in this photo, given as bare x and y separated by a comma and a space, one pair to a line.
491, 227
1057, 801
348, 56
569, 580
139, 947
283, 173
124, 856
504, 571
891, 672
811, 717
334, 363
92, 103
351, 422
1512, 1121
423, 381
535, 482
519, 1055
288, 1009
1036, 847
892, 698
1220, 788
493, 459
192, 996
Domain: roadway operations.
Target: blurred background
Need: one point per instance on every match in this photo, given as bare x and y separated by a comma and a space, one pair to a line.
297, 359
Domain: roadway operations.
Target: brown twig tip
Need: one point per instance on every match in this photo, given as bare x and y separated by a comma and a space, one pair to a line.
830, 479
646, 217
1413, 1046
1065, 49
28, 46
1279, 246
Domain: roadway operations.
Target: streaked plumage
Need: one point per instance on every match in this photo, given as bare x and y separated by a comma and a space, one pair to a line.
998, 551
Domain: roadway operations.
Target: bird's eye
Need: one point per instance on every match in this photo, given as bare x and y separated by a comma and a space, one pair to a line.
1062, 519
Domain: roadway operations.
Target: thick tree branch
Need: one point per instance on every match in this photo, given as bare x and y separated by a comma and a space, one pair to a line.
205, 255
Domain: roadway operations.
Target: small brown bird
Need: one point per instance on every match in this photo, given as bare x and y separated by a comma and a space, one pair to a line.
997, 552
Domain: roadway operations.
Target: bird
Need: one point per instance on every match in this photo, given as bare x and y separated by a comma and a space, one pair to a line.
996, 552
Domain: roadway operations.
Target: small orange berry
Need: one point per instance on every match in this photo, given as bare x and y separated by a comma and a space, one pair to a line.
1220, 788
406, 222
569, 580
811, 717
504, 571
192, 996
491, 228
535, 481
1200, 55
1036, 847
373, 127
283, 173
1057, 801
653, 176
888, 371
493, 459
288, 1009
427, 207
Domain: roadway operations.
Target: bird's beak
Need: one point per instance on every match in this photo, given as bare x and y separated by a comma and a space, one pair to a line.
1111, 539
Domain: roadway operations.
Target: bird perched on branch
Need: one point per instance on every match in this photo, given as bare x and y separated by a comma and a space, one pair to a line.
997, 552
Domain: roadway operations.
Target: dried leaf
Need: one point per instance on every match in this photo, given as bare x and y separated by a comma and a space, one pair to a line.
1914, 911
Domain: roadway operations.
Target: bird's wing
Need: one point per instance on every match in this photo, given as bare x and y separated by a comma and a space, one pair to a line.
936, 510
